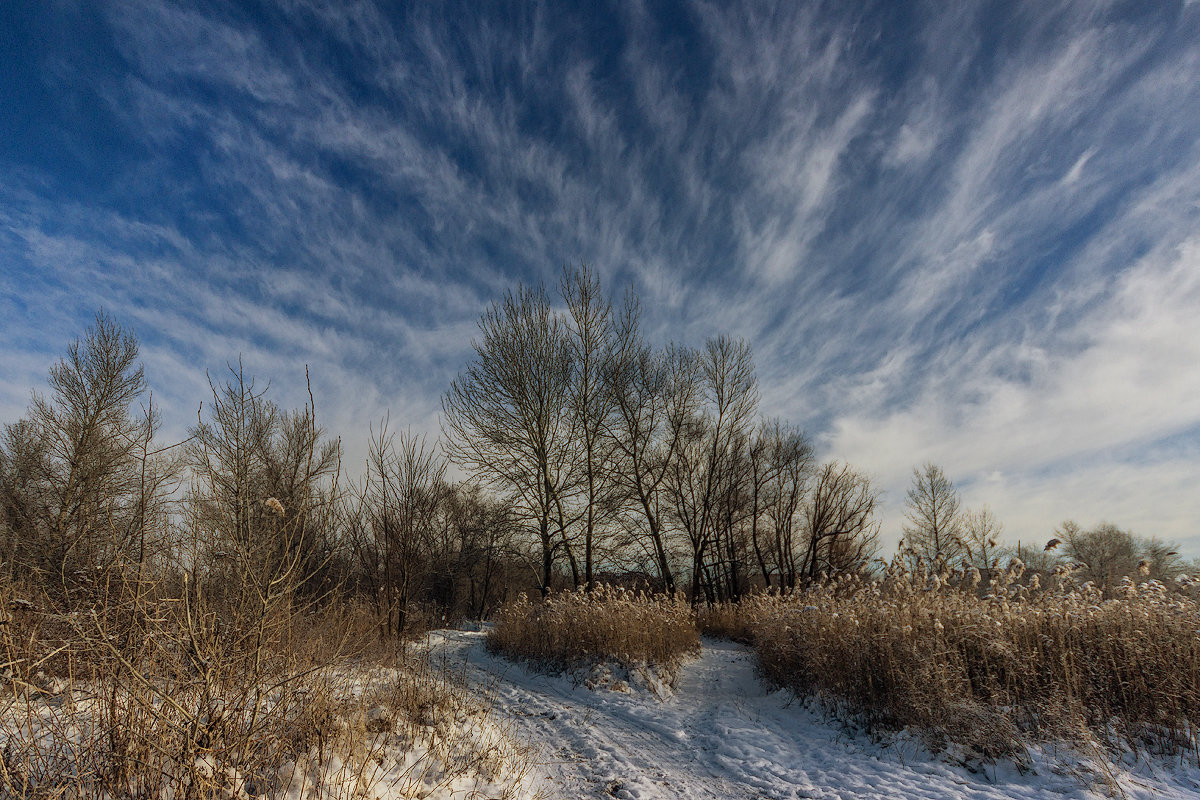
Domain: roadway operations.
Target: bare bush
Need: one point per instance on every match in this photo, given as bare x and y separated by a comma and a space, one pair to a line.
205, 706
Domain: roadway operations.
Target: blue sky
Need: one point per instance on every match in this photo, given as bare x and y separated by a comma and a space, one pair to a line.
966, 233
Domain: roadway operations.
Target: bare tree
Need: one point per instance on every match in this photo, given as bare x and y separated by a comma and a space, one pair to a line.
81, 479
980, 540
477, 561
590, 337
839, 517
781, 461
1108, 553
1161, 559
653, 396
934, 527
701, 476
732, 516
263, 482
506, 416
403, 494
26, 498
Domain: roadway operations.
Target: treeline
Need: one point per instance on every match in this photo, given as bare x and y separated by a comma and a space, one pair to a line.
593, 456
253, 510
616, 454
940, 533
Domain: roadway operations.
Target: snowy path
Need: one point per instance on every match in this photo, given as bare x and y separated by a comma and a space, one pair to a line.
722, 735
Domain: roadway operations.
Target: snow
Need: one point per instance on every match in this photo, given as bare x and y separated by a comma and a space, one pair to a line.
461, 755
722, 734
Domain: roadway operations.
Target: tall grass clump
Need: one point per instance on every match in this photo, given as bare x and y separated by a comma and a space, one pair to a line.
991, 667
580, 629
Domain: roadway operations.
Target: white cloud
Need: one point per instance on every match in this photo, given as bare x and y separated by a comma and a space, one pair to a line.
1076, 169
912, 145
1122, 378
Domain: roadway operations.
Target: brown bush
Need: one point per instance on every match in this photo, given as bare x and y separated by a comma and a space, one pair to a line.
151, 696
572, 630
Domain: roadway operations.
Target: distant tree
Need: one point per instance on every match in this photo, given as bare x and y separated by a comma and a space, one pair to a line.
1107, 554
980, 540
934, 527
402, 497
1034, 557
1162, 559
477, 558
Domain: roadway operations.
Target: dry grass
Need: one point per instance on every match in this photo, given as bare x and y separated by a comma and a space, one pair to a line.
578, 630
990, 667
148, 696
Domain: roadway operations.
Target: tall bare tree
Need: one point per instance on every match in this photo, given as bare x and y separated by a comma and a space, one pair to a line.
590, 336
653, 396
505, 417
781, 461
701, 478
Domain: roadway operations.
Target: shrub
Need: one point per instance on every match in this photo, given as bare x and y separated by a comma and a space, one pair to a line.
580, 629
151, 696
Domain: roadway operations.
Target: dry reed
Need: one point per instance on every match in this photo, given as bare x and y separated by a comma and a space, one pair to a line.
990, 667
580, 629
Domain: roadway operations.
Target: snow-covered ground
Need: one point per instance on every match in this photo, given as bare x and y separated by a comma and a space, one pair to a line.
723, 735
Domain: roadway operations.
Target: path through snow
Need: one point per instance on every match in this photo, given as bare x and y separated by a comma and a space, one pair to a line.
723, 735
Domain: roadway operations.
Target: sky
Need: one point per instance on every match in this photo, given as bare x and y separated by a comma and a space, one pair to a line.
960, 233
